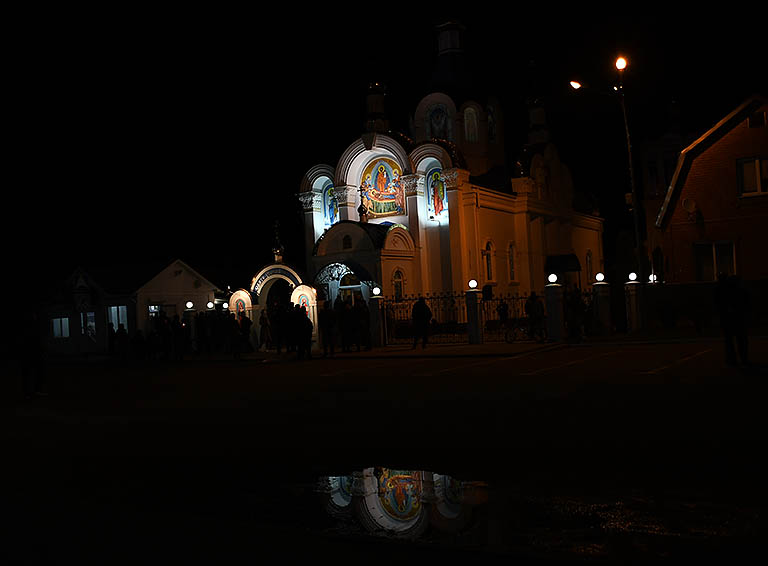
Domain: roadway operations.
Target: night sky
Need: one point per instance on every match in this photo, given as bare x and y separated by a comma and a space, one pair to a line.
151, 136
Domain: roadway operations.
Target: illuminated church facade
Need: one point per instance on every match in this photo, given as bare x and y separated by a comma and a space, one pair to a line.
413, 214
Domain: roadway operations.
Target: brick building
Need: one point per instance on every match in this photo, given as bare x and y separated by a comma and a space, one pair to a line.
714, 215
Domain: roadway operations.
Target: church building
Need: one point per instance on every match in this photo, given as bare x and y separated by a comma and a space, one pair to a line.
423, 212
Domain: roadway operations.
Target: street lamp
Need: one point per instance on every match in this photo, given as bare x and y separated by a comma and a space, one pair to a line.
621, 64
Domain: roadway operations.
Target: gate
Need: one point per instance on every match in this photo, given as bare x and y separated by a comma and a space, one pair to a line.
448, 324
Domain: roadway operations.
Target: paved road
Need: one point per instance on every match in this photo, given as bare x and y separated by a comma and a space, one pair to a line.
606, 419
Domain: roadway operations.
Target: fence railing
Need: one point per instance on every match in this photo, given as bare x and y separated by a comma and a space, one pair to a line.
448, 324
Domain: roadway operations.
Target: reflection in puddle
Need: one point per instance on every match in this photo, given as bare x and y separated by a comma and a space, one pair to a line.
403, 503
436, 508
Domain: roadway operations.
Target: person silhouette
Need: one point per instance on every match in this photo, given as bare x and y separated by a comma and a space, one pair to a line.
732, 303
421, 315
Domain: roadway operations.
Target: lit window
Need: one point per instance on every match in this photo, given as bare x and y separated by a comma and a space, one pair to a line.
88, 324
60, 327
118, 315
753, 177
154, 310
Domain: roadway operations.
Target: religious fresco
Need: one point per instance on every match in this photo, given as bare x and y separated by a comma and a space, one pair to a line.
303, 302
330, 206
240, 306
437, 196
399, 492
381, 189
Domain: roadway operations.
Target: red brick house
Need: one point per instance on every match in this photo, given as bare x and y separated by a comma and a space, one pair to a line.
714, 216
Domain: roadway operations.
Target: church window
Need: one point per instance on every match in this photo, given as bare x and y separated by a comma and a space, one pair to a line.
346, 242
397, 284
511, 256
470, 125
488, 255
438, 123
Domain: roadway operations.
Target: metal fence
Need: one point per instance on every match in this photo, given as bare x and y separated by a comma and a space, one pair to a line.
495, 310
449, 318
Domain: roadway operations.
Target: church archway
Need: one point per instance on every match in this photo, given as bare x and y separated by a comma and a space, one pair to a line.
340, 280
264, 280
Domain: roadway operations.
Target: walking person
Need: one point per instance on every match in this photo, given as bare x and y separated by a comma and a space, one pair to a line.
421, 315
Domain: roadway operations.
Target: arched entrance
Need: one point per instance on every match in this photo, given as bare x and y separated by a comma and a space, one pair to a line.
264, 280
240, 303
339, 280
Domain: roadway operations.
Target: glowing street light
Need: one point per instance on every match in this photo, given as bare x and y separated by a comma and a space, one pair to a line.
599, 277
621, 63
225, 305
209, 305
472, 283
190, 304
376, 291
575, 85
552, 278
633, 276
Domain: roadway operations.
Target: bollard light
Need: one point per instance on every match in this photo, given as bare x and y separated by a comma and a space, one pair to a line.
633, 276
552, 278
472, 283
376, 291
190, 304
599, 277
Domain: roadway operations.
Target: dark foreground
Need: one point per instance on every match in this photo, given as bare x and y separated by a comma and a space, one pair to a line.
611, 453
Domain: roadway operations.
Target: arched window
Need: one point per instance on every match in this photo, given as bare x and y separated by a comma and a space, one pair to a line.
488, 253
470, 125
346, 242
511, 259
397, 284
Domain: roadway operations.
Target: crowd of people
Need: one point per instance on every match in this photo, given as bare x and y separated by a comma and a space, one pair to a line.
343, 325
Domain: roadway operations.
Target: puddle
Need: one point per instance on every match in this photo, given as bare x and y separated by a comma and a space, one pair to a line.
435, 509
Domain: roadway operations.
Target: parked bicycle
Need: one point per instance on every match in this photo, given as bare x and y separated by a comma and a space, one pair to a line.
516, 330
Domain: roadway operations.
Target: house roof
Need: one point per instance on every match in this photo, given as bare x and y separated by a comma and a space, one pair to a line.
690, 153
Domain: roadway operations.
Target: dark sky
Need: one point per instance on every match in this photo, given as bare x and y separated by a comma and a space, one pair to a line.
187, 134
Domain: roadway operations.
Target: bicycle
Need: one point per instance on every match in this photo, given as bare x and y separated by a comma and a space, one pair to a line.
515, 331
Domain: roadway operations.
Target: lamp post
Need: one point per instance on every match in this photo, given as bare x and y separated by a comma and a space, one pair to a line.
621, 64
